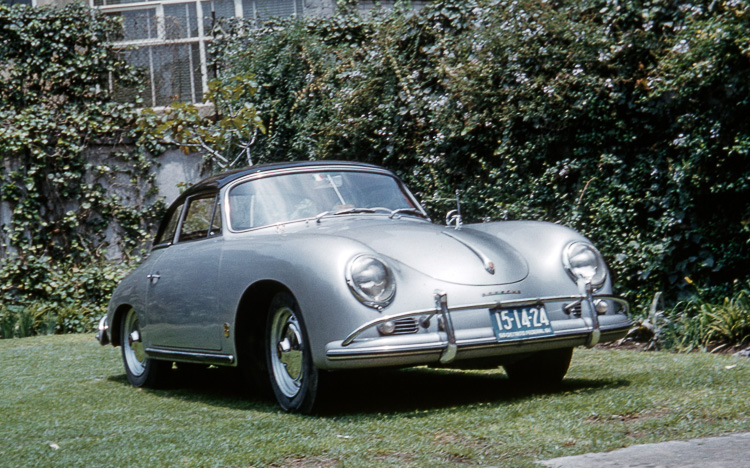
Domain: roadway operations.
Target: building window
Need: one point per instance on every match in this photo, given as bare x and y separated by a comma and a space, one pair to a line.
168, 40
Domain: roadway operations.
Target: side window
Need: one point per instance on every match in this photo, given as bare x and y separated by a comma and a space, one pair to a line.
166, 234
202, 219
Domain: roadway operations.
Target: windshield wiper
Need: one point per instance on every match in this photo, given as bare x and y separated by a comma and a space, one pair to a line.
343, 212
391, 213
412, 211
354, 210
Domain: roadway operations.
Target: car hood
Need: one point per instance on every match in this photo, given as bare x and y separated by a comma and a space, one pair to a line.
463, 256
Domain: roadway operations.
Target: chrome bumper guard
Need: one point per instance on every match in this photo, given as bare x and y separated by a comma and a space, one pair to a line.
102, 333
444, 316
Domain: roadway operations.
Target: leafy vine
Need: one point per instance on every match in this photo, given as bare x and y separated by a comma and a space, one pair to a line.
76, 190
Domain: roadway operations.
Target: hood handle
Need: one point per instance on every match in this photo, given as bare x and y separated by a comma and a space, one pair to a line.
489, 265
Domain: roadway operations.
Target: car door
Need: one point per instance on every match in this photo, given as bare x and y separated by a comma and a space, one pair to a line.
182, 297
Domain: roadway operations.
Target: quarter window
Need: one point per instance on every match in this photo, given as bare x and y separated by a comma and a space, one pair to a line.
167, 232
202, 219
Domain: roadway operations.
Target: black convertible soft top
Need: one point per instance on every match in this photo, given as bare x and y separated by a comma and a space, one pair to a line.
220, 180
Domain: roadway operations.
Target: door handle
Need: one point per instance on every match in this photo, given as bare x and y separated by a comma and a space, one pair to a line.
153, 278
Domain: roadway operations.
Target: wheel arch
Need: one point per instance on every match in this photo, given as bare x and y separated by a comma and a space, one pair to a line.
116, 324
250, 321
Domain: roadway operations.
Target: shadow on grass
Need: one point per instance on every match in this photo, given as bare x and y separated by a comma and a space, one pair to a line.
216, 386
373, 391
410, 390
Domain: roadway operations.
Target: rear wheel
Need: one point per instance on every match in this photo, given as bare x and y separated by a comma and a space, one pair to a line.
293, 376
141, 371
543, 368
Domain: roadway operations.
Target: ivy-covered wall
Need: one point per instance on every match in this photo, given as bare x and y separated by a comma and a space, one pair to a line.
628, 120
76, 184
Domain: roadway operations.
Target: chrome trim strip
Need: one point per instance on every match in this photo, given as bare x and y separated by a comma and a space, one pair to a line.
190, 356
383, 352
489, 266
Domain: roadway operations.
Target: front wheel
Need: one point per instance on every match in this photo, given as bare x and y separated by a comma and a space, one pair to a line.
543, 368
294, 378
141, 371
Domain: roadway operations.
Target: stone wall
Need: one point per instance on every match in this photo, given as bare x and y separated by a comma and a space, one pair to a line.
174, 170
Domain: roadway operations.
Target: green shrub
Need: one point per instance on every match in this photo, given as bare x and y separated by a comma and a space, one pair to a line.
702, 324
66, 300
25, 321
7, 321
36, 319
60, 299
78, 318
730, 320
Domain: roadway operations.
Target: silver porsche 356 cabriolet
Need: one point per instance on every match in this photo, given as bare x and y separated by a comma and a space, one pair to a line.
295, 270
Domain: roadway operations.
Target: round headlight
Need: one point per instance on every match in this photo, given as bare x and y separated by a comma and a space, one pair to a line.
370, 280
583, 261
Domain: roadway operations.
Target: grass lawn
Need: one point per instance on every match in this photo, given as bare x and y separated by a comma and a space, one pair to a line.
65, 402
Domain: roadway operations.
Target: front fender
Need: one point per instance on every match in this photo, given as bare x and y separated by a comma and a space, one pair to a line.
542, 245
312, 268
130, 293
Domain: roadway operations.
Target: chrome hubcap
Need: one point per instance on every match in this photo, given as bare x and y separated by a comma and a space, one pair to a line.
135, 355
286, 351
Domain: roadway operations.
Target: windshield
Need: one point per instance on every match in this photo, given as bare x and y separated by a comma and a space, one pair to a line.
290, 197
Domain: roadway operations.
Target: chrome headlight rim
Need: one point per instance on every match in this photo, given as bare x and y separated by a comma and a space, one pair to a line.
579, 267
354, 270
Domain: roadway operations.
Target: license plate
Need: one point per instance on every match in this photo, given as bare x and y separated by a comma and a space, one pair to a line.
519, 323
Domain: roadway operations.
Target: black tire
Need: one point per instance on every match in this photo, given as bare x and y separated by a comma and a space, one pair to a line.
140, 370
293, 377
543, 368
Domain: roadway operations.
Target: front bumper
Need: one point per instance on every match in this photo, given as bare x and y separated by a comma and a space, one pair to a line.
449, 343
